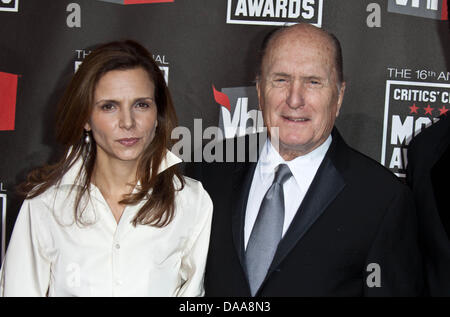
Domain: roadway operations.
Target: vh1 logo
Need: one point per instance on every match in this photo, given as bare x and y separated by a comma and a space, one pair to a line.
8, 92
239, 114
431, 9
126, 2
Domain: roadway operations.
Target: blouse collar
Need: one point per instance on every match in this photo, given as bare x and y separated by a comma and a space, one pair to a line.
70, 177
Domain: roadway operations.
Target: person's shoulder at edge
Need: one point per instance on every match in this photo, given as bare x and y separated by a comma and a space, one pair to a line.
427, 137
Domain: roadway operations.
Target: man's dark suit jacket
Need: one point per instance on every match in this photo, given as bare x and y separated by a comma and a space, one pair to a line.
355, 213
428, 174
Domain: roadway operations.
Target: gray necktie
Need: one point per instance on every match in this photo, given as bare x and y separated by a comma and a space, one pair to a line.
267, 230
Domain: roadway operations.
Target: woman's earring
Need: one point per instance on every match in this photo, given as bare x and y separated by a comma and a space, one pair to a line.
87, 138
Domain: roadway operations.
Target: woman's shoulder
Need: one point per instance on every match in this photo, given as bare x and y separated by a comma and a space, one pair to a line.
192, 186
38, 207
193, 193
194, 207
53, 194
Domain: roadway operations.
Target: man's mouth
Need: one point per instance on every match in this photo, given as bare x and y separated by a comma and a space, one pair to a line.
295, 119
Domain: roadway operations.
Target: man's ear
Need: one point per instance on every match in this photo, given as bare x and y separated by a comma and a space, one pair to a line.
258, 91
340, 97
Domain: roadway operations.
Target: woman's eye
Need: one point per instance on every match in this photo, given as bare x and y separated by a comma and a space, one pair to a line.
142, 105
107, 107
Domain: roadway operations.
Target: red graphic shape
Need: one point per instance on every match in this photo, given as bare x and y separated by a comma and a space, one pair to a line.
221, 98
428, 110
8, 93
443, 110
145, 1
444, 15
413, 108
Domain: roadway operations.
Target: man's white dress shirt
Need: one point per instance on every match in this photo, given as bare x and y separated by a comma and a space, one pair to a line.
50, 255
303, 170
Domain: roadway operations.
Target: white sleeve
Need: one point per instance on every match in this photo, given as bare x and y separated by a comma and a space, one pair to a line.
26, 268
194, 259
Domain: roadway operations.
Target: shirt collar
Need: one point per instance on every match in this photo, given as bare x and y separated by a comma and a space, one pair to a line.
70, 177
302, 167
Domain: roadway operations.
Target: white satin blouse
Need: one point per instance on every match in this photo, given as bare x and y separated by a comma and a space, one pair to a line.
50, 255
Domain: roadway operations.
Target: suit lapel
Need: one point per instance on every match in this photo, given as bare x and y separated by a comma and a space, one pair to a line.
327, 184
242, 180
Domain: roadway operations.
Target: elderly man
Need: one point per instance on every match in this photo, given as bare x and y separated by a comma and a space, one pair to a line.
312, 217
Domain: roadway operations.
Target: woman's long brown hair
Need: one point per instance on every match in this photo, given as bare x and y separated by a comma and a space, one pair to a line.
75, 109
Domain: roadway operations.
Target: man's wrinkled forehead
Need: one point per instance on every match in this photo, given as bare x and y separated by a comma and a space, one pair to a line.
303, 35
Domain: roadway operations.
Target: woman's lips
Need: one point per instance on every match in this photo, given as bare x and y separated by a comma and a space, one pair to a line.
128, 141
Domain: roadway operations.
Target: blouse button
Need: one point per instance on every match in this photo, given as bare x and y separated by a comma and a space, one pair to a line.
117, 246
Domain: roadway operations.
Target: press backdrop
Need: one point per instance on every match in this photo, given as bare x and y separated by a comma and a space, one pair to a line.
396, 64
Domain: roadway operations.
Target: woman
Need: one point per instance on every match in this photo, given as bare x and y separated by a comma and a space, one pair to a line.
114, 217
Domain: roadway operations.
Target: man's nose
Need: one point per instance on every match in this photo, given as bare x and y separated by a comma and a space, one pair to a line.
295, 98
127, 120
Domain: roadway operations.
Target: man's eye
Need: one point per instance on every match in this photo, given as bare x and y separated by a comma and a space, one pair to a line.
280, 82
315, 83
